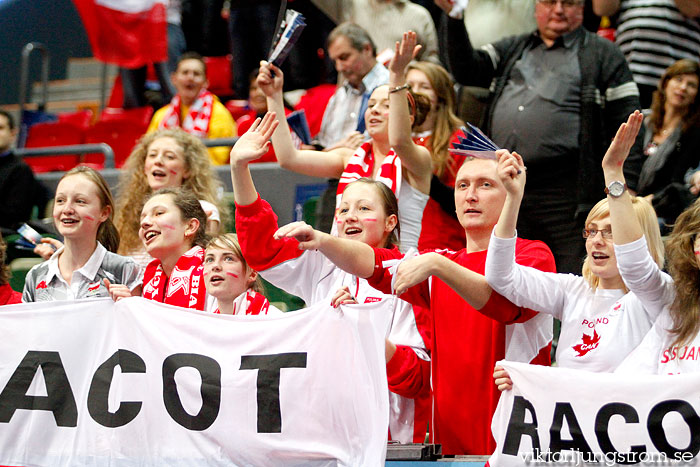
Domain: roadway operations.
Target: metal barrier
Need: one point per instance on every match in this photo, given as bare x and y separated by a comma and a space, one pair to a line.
24, 75
212, 143
81, 149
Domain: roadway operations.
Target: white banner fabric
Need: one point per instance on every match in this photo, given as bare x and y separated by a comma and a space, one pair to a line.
93, 382
558, 416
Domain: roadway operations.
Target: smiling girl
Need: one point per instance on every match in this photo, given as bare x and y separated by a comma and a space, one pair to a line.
368, 212
172, 231
228, 279
601, 321
85, 266
166, 158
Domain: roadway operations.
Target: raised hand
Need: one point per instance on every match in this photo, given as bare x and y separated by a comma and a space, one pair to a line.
405, 52
511, 171
270, 85
254, 143
308, 238
622, 143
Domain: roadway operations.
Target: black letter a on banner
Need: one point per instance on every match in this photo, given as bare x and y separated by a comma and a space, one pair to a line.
268, 366
517, 428
59, 398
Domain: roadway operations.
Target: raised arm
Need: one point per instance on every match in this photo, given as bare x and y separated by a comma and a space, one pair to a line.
328, 164
524, 286
511, 171
625, 226
414, 158
250, 146
349, 255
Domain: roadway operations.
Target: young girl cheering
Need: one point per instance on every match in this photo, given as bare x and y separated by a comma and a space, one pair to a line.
236, 288
173, 233
85, 266
368, 212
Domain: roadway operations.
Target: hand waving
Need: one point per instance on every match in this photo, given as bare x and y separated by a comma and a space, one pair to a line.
622, 143
405, 52
256, 141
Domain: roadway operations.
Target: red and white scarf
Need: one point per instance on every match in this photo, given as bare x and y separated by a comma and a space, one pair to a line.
249, 303
198, 117
361, 164
184, 287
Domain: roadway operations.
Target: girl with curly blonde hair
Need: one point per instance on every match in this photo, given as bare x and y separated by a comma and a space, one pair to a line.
165, 158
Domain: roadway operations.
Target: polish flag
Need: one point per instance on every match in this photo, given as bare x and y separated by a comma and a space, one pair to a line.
128, 33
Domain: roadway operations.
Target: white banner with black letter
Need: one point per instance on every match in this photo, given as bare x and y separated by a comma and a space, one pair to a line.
135, 382
558, 416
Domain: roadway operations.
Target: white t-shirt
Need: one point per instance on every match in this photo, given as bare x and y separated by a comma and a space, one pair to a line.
599, 328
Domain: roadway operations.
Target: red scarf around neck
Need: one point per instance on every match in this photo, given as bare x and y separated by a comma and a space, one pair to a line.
198, 117
249, 303
184, 287
361, 164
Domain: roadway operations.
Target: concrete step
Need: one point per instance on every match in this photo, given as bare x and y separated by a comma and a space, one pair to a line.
88, 68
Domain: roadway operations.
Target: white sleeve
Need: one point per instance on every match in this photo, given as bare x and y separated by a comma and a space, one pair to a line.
523, 285
298, 276
211, 208
643, 277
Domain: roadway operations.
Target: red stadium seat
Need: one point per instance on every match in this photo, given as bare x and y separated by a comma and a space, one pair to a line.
238, 108
139, 115
219, 75
53, 134
121, 135
82, 118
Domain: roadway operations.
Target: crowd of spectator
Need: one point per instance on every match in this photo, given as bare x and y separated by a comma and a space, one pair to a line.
562, 102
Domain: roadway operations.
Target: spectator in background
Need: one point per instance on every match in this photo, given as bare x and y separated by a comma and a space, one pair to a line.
386, 21
134, 79
194, 108
653, 34
355, 57
167, 158
19, 190
7, 295
672, 141
252, 27
558, 96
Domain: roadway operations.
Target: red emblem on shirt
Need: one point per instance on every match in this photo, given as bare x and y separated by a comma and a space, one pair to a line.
41, 285
93, 287
589, 343
372, 299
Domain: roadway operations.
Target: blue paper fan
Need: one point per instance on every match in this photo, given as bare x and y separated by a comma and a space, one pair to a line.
473, 142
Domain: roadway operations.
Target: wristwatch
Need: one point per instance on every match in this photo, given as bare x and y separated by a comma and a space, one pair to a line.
615, 188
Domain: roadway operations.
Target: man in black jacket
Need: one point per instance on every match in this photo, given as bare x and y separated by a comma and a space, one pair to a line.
19, 190
557, 96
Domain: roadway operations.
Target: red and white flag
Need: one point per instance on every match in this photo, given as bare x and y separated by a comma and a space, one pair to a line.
128, 33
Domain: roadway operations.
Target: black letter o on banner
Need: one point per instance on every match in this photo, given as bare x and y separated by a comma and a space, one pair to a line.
210, 371
656, 429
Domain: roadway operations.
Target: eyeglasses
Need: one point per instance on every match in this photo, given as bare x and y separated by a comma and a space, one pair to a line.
591, 233
564, 3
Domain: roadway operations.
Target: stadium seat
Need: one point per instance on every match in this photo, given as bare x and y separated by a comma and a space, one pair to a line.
82, 118
139, 115
237, 107
53, 134
121, 135
219, 75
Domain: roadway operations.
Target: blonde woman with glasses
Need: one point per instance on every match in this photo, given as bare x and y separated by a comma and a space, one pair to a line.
601, 321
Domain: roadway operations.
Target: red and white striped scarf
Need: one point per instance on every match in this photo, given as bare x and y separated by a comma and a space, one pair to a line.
361, 164
184, 287
249, 303
198, 117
